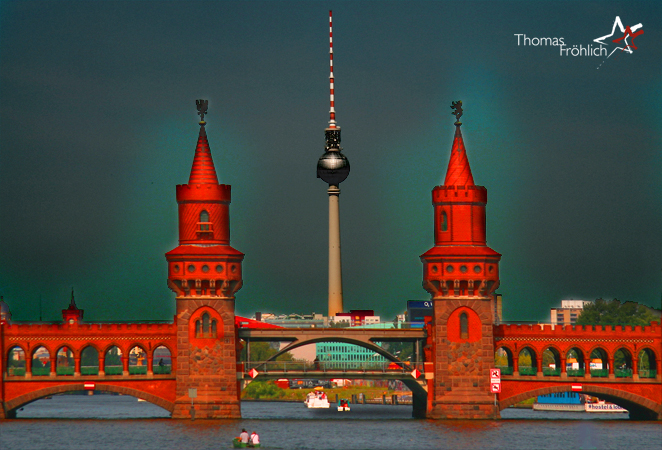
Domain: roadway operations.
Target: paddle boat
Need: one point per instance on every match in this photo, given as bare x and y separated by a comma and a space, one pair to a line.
343, 404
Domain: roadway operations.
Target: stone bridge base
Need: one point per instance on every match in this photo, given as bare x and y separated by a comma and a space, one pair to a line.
464, 410
206, 410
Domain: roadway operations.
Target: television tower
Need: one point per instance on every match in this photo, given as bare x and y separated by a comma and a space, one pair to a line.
333, 168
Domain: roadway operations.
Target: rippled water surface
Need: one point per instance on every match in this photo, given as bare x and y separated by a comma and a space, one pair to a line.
106, 422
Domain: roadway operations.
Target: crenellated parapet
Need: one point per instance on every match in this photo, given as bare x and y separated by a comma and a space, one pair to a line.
454, 194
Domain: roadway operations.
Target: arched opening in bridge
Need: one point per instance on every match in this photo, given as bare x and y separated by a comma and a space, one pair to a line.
15, 362
162, 361
599, 363
41, 362
137, 361
622, 363
575, 362
112, 361
89, 361
503, 360
527, 362
64, 362
647, 363
551, 362
97, 404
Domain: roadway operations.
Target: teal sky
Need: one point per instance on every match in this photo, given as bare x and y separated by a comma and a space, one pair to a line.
98, 124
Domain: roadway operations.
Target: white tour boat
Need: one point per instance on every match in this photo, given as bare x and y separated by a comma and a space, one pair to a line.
317, 400
603, 407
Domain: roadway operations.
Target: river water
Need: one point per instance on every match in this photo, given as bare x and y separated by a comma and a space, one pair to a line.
121, 422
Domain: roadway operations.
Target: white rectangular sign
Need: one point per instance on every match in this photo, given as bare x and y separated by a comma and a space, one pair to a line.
495, 376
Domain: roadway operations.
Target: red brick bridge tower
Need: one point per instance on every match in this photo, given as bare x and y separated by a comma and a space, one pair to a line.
204, 271
461, 273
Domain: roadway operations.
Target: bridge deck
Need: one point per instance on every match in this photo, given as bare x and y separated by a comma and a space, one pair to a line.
319, 334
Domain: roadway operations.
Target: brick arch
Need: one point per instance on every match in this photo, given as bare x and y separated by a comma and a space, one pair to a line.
25, 399
590, 350
639, 407
90, 344
10, 348
111, 345
474, 305
646, 347
213, 315
137, 344
67, 345
162, 344
474, 322
37, 346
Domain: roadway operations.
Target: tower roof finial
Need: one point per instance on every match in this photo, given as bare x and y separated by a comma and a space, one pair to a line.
202, 110
203, 170
457, 107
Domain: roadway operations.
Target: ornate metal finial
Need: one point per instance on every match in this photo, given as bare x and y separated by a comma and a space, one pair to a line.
202, 109
457, 106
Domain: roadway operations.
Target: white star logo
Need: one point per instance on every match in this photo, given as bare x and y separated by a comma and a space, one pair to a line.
617, 22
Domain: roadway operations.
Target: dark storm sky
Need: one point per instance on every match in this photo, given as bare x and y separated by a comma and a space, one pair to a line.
98, 124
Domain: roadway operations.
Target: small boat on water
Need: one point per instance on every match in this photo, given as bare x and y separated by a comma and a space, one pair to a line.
317, 399
236, 443
343, 404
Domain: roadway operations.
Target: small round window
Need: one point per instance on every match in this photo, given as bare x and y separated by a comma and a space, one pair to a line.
477, 269
449, 269
191, 268
219, 268
205, 268
463, 269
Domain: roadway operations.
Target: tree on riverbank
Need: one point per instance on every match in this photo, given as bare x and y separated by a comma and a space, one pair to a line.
613, 312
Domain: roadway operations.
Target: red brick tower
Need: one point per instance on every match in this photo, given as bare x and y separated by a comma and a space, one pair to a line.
72, 315
205, 272
461, 273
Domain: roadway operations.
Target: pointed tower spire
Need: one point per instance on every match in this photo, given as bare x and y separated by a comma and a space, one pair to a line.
459, 171
203, 171
72, 303
72, 314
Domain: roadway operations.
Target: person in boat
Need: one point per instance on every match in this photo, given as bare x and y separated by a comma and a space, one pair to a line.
243, 437
254, 439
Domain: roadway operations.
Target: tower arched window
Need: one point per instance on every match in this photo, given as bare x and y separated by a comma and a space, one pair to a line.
464, 326
444, 221
204, 225
205, 327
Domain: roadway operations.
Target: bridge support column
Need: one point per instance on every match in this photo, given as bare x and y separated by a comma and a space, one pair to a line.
463, 352
206, 359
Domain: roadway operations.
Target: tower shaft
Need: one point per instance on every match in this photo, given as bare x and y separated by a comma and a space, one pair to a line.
335, 266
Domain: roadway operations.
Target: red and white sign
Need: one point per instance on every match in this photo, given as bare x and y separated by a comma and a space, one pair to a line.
495, 388
89, 386
576, 388
253, 373
495, 376
415, 373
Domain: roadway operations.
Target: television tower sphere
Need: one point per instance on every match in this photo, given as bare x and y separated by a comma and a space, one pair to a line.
333, 167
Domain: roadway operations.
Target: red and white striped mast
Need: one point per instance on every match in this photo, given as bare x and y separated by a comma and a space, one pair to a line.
333, 168
332, 110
